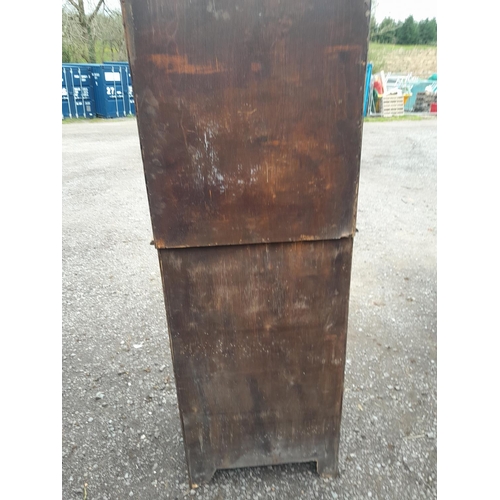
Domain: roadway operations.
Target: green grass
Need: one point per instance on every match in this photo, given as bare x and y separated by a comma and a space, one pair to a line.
415, 118
377, 54
384, 56
81, 120
100, 120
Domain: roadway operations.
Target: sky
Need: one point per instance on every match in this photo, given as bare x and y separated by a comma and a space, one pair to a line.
399, 10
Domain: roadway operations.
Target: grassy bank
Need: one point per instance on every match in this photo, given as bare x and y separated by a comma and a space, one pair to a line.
419, 60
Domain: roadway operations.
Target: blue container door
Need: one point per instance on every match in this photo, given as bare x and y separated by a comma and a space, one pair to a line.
127, 85
99, 90
66, 111
113, 102
114, 91
129, 92
80, 95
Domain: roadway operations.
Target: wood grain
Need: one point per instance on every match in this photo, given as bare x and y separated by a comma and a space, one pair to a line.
250, 124
258, 336
250, 117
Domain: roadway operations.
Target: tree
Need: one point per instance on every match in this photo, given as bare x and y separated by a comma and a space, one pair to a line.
407, 33
82, 25
433, 30
373, 29
104, 41
110, 36
373, 22
386, 32
427, 31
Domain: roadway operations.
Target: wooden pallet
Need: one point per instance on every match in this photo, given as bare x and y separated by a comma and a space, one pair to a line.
392, 105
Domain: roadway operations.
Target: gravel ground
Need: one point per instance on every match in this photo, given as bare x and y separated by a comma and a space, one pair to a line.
121, 429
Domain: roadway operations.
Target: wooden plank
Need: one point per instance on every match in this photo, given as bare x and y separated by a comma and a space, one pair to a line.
258, 336
250, 117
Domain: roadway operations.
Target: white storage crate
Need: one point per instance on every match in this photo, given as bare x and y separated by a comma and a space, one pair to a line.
392, 105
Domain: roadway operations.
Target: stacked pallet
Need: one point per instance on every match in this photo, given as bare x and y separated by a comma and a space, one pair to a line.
424, 101
392, 105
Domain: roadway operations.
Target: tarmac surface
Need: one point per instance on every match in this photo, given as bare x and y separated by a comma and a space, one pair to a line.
121, 428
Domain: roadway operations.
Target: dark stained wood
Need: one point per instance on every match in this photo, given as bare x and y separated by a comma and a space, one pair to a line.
250, 116
250, 121
258, 336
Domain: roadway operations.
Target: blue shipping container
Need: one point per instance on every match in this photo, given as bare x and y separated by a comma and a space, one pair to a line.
77, 91
113, 90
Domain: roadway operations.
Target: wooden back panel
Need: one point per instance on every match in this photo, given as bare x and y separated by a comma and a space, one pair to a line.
250, 117
258, 336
